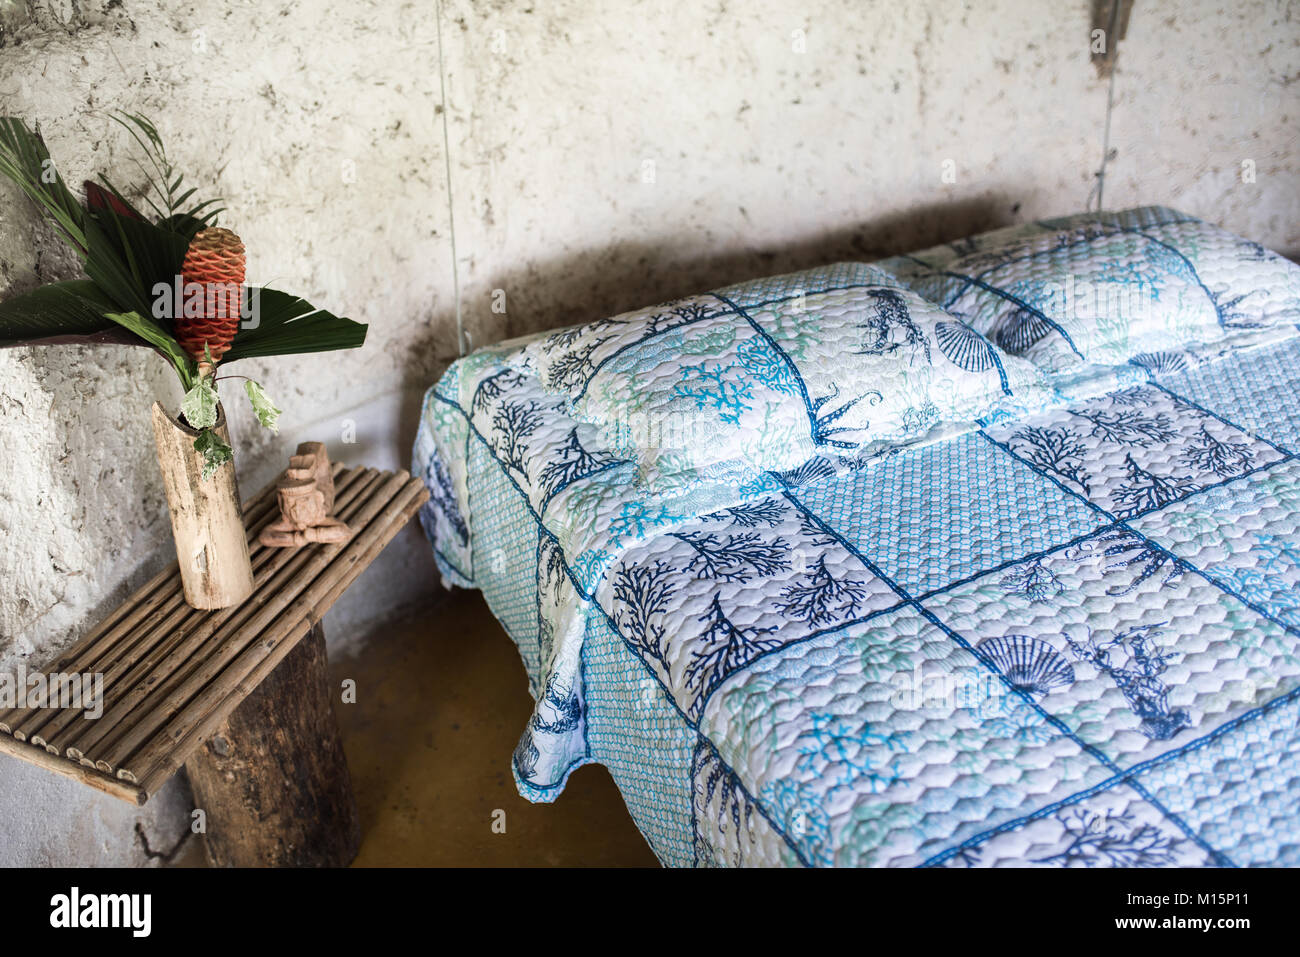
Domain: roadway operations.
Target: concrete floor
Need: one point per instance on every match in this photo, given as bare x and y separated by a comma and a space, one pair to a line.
441, 701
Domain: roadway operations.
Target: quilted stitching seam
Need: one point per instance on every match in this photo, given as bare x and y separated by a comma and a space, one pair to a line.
1011, 688
1179, 562
1124, 777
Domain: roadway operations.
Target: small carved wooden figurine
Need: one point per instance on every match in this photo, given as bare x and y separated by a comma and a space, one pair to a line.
306, 495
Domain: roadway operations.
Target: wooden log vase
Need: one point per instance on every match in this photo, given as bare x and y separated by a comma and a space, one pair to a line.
211, 545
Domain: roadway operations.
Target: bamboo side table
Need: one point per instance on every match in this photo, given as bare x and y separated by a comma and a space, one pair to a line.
236, 696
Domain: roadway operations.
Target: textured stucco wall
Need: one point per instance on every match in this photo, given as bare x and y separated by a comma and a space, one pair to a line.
766, 159
603, 156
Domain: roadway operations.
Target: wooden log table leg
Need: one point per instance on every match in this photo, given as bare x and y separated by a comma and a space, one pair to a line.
273, 781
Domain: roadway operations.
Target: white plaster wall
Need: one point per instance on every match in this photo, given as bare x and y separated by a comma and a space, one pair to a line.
770, 150
767, 160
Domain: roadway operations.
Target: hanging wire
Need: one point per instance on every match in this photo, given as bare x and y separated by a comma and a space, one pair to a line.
461, 336
1099, 187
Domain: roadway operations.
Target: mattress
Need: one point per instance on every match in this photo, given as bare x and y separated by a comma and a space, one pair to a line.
912, 563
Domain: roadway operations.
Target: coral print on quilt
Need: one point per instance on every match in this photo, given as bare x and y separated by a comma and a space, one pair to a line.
908, 564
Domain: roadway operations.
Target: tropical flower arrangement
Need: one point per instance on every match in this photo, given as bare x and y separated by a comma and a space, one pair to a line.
172, 281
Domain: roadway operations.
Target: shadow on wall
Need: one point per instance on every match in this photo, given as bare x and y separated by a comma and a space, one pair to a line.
624, 276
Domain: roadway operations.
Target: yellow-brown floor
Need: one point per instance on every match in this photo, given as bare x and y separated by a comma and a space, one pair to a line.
441, 701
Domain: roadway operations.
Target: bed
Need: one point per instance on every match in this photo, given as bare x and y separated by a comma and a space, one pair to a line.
985, 555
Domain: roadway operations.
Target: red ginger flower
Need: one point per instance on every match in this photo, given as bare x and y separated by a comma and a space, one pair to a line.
99, 198
215, 260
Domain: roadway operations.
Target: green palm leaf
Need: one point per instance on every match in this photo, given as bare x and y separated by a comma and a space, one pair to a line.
127, 257
287, 325
130, 256
115, 275
167, 182
25, 160
73, 311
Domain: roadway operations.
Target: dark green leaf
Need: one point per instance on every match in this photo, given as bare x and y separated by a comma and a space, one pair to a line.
287, 325
106, 265
183, 225
159, 252
61, 311
128, 257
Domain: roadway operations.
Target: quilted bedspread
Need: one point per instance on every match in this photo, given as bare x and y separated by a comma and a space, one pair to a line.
985, 555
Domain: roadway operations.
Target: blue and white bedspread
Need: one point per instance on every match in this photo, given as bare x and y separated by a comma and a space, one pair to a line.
985, 555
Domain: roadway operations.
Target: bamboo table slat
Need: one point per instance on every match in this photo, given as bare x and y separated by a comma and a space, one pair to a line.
172, 674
